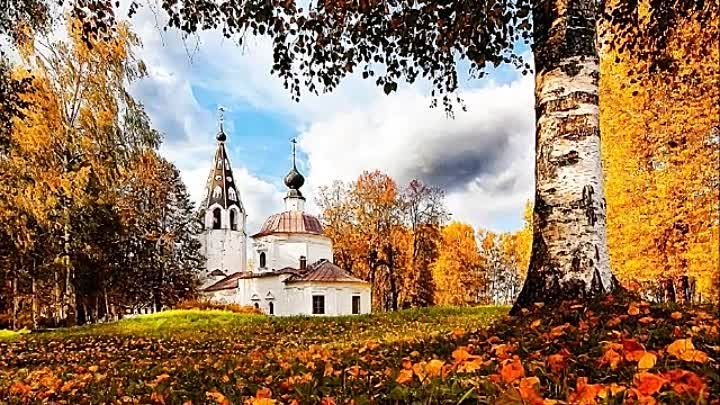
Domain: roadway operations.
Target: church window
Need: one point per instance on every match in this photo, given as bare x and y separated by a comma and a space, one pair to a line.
233, 220
227, 165
218, 178
263, 260
231, 194
229, 179
318, 304
219, 164
216, 218
257, 306
355, 304
271, 308
217, 191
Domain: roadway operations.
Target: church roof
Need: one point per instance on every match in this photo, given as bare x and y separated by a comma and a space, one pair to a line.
221, 188
324, 271
321, 271
291, 222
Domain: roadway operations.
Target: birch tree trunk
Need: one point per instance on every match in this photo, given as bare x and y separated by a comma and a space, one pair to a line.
570, 252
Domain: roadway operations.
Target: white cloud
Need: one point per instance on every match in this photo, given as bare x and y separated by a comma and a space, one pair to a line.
483, 158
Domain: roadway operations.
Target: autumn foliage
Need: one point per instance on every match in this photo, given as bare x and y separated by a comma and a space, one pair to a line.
661, 147
400, 241
611, 352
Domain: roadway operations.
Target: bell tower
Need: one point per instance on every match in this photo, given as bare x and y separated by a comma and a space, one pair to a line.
224, 235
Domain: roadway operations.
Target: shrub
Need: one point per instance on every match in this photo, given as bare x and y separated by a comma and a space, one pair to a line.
207, 306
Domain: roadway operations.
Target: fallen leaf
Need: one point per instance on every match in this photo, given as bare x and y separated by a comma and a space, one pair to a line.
512, 370
611, 358
633, 310
685, 350
647, 361
404, 377
434, 368
648, 383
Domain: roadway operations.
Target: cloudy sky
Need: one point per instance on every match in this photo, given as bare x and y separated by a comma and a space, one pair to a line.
482, 157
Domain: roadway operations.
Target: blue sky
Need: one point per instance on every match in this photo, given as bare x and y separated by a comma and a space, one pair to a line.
482, 158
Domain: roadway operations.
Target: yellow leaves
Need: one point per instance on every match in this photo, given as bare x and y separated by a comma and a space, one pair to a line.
684, 349
434, 368
466, 362
425, 371
512, 370
610, 391
647, 361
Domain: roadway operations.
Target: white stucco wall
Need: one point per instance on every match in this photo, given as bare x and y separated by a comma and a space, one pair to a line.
295, 298
284, 250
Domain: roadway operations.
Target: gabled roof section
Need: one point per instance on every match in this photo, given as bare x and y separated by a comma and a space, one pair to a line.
325, 271
221, 188
227, 283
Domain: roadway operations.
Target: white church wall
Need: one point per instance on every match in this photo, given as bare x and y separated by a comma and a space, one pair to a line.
338, 297
285, 250
295, 298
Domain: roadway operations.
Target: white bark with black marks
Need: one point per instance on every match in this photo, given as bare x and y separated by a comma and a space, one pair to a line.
570, 252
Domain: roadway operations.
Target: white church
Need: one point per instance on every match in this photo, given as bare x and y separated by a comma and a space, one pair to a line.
295, 273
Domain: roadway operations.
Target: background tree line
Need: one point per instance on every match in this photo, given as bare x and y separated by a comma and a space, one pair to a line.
93, 222
399, 239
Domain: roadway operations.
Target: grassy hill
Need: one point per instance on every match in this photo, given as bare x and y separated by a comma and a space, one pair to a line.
610, 353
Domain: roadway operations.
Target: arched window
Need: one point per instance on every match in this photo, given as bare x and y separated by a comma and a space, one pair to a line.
216, 218
217, 192
231, 194
233, 220
271, 308
257, 306
263, 260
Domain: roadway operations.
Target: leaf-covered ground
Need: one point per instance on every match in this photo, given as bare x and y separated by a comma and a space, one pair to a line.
608, 353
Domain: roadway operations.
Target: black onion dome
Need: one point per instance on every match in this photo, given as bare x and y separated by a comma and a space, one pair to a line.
294, 180
221, 135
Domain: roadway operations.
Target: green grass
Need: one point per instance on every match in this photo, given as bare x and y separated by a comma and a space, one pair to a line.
216, 325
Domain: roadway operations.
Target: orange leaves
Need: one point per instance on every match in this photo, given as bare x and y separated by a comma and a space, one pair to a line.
633, 310
512, 370
584, 394
685, 382
684, 349
405, 377
558, 362
528, 389
262, 397
648, 383
20, 389
610, 358
465, 362
220, 399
